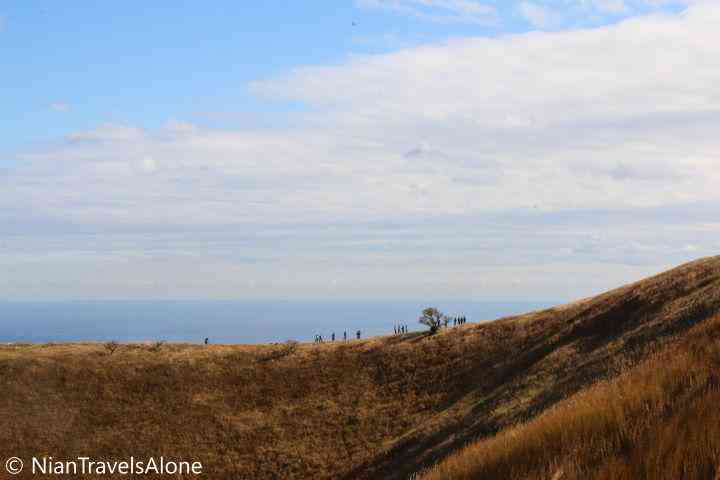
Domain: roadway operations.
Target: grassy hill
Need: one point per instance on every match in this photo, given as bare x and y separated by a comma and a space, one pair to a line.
391, 406
659, 419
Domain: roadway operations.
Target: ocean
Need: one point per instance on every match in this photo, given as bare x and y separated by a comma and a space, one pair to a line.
225, 321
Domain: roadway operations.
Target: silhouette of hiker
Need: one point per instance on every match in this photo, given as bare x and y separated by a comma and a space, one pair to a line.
206, 340
358, 334
333, 336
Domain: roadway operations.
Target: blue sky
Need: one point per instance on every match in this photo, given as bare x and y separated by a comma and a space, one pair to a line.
69, 66
368, 148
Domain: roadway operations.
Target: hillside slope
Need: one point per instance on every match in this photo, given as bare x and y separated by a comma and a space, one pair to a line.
658, 420
521, 365
382, 408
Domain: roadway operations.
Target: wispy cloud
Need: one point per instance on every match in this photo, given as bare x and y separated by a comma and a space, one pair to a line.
537, 15
60, 106
610, 6
464, 11
541, 14
109, 133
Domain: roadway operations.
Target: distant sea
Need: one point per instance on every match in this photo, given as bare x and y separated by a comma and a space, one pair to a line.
225, 321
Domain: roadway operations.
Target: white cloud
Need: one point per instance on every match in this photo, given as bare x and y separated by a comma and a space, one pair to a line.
177, 127
543, 14
535, 14
149, 164
467, 11
612, 117
548, 112
610, 6
464, 153
60, 106
109, 133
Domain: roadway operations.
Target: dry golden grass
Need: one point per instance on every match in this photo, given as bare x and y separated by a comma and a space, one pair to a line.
658, 420
381, 408
244, 412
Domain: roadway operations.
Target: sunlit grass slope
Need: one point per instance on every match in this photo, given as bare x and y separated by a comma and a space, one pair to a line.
658, 420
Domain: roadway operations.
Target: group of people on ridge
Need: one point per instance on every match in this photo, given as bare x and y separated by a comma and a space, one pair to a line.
400, 329
459, 321
397, 329
319, 338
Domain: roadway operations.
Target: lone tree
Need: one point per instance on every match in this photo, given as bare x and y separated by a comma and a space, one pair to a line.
111, 347
433, 318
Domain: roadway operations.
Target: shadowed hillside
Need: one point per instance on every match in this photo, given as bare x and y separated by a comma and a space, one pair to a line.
382, 408
658, 420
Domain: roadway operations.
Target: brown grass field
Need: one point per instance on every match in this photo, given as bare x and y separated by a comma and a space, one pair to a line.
659, 420
616, 386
